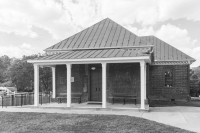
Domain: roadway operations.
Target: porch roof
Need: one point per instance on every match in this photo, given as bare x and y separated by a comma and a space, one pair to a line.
97, 55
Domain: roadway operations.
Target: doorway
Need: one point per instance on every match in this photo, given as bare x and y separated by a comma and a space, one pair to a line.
96, 82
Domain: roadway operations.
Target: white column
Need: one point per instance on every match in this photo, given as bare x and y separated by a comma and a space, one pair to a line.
54, 82
104, 85
36, 85
142, 84
68, 85
145, 81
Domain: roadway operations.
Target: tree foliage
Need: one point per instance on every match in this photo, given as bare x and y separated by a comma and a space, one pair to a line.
195, 82
21, 73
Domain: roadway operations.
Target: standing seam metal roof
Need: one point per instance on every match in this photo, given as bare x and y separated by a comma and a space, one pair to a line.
108, 34
111, 53
162, 51
103, 34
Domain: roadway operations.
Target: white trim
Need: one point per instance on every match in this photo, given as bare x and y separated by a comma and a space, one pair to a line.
142, 84
91, 60
145, 81
53, 82
68, 85
98, 48
36, 85
104, 85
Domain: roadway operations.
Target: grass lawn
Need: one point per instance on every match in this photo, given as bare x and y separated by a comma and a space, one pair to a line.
57, 123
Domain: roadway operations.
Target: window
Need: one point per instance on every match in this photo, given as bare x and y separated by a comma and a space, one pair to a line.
169, 78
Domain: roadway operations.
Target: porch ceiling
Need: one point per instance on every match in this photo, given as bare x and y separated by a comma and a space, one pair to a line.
99, 55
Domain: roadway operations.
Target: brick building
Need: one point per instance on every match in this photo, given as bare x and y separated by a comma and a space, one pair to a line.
106, 59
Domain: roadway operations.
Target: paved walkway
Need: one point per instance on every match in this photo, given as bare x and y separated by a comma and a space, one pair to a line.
183, 117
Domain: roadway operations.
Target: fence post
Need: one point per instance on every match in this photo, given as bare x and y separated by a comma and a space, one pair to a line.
12, 100
2, 101
25, 99
33, 97
41, 99
21, 100
49, 97
6, 101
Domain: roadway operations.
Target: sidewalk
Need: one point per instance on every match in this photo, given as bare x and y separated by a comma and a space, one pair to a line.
183, 117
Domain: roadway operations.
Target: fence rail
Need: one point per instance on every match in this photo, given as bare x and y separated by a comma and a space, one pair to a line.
20, 99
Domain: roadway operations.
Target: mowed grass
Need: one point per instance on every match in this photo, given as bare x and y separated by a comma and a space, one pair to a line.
59, 123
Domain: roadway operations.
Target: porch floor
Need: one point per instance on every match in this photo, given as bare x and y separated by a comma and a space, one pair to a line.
85, 105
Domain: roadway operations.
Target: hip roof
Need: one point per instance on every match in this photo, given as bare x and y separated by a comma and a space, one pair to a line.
109, 37
102, 35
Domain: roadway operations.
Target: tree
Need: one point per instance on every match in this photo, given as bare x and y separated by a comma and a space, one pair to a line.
194, 83
197, 71
4, 65
22, 75
45, 79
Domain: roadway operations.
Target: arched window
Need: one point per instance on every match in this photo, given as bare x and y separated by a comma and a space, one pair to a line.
169, 78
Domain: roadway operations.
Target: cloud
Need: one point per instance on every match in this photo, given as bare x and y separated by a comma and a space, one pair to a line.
64, 18
177, 37
179, 9
25, 45
18, 51
196, 55
144, 31
151, 12
12, 21
60, 19
173, 35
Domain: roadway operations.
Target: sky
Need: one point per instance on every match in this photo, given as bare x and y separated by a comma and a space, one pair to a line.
29, 26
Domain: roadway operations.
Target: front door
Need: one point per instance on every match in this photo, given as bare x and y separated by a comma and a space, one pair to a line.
96, 83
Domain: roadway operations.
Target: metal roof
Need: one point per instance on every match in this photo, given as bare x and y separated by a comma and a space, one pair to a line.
162, 51
105, 53
104, 34
106, 38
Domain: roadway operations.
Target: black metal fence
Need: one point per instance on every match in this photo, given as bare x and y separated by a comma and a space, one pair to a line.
26, 98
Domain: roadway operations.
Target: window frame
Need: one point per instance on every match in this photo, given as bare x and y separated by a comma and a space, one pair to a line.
169, 78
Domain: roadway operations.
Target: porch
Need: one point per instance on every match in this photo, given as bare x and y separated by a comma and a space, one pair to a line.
88, 106
69, 59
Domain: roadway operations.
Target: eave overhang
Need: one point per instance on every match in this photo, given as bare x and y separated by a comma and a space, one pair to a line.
93, 60
173, 62
98, 48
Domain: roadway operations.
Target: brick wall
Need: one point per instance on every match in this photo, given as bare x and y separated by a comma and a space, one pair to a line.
80, 84
157, 88
123, 78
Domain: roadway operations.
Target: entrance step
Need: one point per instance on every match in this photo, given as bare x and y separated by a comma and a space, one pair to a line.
94, 102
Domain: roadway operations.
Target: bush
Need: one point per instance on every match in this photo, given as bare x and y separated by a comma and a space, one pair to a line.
7, 84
